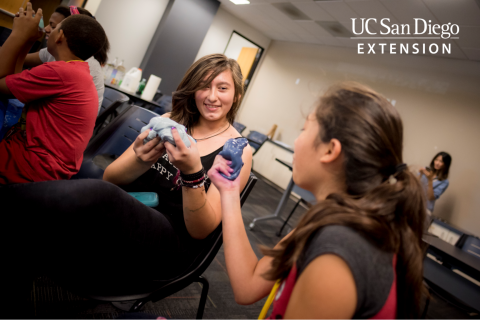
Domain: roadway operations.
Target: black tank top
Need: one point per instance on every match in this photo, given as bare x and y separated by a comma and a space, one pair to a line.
160, 179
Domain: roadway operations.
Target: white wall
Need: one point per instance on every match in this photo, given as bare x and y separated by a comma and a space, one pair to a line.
92, 6
221, 29
438, 99
130, 26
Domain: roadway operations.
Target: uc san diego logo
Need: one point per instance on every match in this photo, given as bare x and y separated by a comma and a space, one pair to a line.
422, 29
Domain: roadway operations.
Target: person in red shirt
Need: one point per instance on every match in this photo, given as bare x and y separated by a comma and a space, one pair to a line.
357, 253
60, 97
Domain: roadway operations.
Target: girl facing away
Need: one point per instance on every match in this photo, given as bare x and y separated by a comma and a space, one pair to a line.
358, 252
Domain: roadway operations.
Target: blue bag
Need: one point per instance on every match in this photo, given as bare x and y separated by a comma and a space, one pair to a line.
10, 112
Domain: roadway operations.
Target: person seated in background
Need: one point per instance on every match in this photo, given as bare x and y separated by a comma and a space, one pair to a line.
60, 99
95, 62
435, 178
358, 252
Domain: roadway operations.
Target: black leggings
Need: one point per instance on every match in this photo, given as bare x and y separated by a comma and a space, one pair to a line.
85, 229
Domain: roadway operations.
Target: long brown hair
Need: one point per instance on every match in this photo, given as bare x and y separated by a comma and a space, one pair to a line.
442, 174
184, 108
389, 214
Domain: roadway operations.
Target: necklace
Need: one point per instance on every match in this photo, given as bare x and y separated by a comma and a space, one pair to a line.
214, 134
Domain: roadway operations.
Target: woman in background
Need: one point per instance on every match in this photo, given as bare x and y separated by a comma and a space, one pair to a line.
358, 252
435, 178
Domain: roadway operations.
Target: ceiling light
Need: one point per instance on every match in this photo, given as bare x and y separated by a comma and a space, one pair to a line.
240, 1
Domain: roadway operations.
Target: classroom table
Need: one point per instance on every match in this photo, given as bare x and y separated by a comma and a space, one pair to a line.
283, 201
443, 275
453, 255
136, 99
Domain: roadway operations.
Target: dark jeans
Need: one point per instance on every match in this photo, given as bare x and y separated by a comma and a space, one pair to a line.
87, 231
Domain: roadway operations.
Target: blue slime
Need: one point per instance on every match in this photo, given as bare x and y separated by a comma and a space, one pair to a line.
232, 151
162, 127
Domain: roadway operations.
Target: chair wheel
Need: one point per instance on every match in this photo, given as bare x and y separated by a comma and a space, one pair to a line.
252, 225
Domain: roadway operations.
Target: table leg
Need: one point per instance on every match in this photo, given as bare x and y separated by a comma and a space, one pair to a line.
280, 207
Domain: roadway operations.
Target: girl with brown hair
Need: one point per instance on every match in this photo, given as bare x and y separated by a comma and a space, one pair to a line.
358, 252
206, 102
435, 178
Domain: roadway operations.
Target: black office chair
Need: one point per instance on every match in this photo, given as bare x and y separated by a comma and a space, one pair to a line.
256, 140
239, 127
111, 142
306, 197
113, 101
142, 293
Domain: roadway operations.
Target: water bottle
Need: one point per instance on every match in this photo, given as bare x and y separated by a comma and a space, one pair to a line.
109, 69
120, 74
141, 86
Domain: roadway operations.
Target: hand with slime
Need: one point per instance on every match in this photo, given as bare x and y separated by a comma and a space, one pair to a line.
232, 151
162, 127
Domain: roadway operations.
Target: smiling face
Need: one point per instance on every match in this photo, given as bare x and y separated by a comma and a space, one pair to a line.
55, 19
215, 101
438, 163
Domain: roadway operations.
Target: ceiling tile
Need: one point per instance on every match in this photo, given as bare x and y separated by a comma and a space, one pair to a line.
339, 10
346, 42
371, 9
261, 15
313, 11
469, 37
461, 12
472, 54
311, 39
314, 29
406, 10
294, 27
330, 41
271, 12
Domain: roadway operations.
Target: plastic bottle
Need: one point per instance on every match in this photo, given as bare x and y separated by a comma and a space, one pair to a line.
109, 69
120, 74
141, 86
131, 80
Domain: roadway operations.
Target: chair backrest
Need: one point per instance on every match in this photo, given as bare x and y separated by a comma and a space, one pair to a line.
471, 245
113, 100
256, 140
113, 140
110, 97
239, 127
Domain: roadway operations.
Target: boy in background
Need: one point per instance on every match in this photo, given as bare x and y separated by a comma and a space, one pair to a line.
60, 99
95, 62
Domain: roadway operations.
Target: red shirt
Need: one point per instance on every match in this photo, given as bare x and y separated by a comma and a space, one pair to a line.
284, 292
62, 104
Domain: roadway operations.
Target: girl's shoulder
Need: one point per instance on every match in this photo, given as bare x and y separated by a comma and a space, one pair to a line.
373, 281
